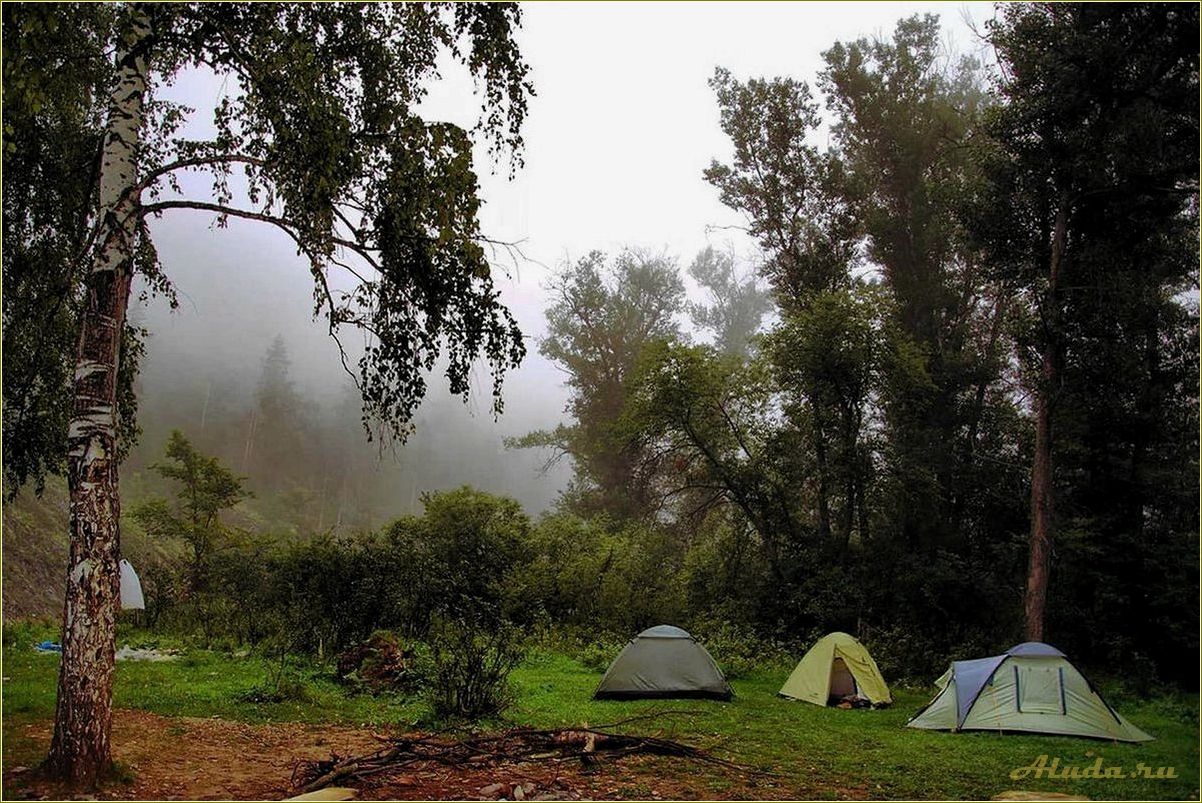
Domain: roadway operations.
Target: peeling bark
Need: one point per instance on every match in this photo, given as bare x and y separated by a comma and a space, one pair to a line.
80, 751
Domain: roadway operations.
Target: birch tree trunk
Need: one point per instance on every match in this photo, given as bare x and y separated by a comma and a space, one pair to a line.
80, 751
1039, 564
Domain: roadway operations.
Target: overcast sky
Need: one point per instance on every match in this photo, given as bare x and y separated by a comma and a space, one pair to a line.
617, 138
624, 121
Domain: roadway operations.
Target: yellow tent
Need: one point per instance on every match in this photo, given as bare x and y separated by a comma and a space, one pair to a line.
837, 665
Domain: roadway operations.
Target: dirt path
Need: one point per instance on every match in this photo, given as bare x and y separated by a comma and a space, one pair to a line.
198, 759
184, 757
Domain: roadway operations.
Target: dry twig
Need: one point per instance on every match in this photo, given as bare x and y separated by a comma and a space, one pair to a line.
519, 745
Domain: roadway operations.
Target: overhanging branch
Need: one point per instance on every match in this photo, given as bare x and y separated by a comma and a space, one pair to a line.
288, 228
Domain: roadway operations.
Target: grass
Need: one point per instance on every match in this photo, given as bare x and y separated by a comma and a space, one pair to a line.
823, 751
201, 683
815, 752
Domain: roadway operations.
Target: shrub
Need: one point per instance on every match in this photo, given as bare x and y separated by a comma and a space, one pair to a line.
1173, 705
460, 556
20, 636
333, 593
469, 664
162, 588
737, 650
598, 655
285, 689
908, 656
285, 680
640, 587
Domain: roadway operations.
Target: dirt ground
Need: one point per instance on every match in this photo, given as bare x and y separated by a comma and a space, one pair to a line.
198, 759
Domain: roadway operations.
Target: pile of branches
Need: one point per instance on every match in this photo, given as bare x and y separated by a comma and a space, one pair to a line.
519, 745
381, 663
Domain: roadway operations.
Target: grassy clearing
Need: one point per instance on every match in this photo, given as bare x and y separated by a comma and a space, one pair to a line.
816, 752
201, 683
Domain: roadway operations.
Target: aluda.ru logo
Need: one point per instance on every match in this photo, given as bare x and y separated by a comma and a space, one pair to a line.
1052, 769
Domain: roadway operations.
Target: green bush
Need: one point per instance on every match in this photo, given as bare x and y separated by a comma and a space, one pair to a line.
738, 650
598, 655
470, 658
907, 656
1174, 705
285, 683
21, 636
286, 689
465, 550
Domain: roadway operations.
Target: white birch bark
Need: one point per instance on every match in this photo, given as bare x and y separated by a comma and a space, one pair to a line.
80, 749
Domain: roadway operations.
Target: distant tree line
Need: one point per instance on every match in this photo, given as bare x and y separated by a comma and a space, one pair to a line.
974, 416
473, 565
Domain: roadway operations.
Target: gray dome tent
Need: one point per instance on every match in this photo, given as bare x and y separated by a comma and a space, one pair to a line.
663, 661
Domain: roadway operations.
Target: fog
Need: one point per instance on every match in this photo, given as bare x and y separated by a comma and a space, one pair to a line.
239, 289
593, 177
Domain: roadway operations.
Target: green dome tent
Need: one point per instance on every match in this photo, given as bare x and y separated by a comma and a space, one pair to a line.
1031, 687
836, 666
663, 661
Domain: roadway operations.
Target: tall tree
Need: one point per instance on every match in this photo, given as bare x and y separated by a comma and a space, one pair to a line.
602, 315
278, 450
794, 198
323, 123
790, 192
736, 304
825, 359
1092, 164
709, 415
52, 131
903, 112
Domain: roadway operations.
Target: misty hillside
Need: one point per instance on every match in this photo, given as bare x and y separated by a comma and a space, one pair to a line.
206, 363
245, 373
35, 551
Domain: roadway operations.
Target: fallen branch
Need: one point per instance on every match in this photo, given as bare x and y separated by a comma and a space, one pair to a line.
519, 745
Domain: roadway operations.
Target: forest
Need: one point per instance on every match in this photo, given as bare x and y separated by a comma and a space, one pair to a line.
941, 394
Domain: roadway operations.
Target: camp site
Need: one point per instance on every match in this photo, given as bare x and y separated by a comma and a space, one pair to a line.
600, 401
